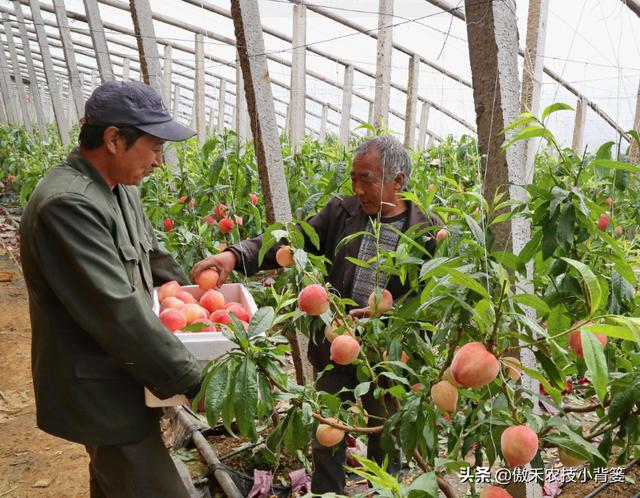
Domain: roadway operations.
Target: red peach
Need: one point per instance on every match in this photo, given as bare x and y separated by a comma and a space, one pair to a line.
168, 289
608, 201
209, 220
445, 396
404, 357
238, 219
220, 316
172, 319
220, 211
11, 179
313, 299
171, 302
382, 304
212, 300
168, 224
494, 492
442, 234
183, 198
344, 350
575, 342
254, 199
239, 311
193, 311
618, 231
417, 387
603, 222
519, 444
329, 436
226, 225
207, 279
474, 366
185, 296
284, 256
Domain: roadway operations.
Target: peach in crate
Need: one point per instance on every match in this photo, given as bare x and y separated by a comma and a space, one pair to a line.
205, 346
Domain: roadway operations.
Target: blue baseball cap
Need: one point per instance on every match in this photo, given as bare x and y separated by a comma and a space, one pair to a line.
136, 104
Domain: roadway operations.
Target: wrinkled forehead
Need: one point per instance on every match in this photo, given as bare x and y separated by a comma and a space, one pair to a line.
367, 163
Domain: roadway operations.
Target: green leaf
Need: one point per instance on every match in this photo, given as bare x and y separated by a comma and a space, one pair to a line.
246, 398
529, 132
261, 321
351, 237
531, 247
460, 278
611, 164
623, 403
550, 368
218, 390
591, 284
425, 486
532, 301
566, 227
596, 363
267, 241
477, 232
431, 266
555, 107
361, 389
311, 233
612, 331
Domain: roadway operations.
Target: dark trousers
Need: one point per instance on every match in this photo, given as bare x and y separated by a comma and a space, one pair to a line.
137, 470
328, 463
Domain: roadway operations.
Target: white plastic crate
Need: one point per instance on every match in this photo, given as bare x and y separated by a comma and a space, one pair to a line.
204, 346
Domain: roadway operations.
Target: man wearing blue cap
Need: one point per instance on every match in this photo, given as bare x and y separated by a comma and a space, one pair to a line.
90, 261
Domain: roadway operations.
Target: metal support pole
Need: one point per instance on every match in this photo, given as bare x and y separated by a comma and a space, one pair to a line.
47, 63
383, 63
222, 95
96, 30
166, 74
69, 56
412, 102
147, 45
22, 95
322, 135
578, 128
298, 87
532, 71
345, 121
33, 80
253, 62
424, 122
199, 89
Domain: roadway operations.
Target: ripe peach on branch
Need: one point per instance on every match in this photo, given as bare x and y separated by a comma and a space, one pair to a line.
313, 299
382, 303
474, 366
519, 444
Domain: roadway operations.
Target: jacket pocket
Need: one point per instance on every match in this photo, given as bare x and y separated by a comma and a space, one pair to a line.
129, 258
99, 367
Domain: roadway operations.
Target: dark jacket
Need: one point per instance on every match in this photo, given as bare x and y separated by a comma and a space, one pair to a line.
90, 264
337, 220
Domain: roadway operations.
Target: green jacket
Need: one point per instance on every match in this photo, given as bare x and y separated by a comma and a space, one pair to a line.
90, 262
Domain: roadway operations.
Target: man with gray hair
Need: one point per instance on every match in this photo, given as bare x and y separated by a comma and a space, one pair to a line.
380, 171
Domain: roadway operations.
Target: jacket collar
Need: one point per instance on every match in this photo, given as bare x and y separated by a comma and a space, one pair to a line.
79, 163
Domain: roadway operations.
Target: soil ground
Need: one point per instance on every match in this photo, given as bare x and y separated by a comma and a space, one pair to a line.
33, 464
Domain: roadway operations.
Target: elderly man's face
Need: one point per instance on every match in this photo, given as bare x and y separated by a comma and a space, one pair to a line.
367, 180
